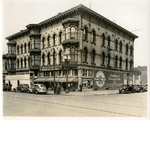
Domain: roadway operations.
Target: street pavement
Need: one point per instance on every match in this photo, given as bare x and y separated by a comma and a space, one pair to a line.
75, 104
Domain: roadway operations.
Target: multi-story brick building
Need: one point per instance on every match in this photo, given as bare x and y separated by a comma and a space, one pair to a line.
101, 51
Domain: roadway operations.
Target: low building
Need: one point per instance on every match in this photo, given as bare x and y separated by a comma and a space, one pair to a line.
100, 53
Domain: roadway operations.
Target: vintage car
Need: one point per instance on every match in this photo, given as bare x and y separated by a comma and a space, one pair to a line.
38, 88
6, 87
21, 88
126, 89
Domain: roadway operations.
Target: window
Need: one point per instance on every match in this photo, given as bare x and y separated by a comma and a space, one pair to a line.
32, 60
116, 45
103, 58
131, 64
85, 54
126, 49
85, 34
43, 43
21, 49
116, 62
36, 44
49, 59
120, 47
43, 59
25, 48
60, 37
60, 57
25, 62
108, 41
5, 65
103, 40
36, 60
73, 54
120, 63
48, 41
108, 63
131, 50
21, 63
54, 39
18, 49
66, 33
72, 33
126, 63
93, 57
28, 61
54, 58
93, 37
29, 46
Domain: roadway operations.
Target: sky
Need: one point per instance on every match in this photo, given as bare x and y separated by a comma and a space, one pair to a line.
132, 15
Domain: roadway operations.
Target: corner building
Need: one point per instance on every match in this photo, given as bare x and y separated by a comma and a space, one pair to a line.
101, 51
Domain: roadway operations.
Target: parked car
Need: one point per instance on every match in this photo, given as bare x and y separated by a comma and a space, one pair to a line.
6, 87
22, 88
38, 88
126, 89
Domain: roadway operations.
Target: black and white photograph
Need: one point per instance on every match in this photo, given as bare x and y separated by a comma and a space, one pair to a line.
73, 67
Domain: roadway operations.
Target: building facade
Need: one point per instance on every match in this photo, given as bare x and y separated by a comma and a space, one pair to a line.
101, 52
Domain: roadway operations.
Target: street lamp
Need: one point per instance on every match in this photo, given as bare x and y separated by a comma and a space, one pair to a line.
67, 60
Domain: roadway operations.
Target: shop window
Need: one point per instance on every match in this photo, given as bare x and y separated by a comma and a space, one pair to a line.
48, 41
103, 39
85, 54
85, 34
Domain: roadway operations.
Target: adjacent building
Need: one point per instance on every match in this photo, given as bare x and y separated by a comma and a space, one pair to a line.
100, 52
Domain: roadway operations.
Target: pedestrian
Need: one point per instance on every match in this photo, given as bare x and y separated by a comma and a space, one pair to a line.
55, 88
80, 87
58, 88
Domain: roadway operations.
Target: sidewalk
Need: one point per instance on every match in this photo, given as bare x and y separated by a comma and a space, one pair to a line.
87, 92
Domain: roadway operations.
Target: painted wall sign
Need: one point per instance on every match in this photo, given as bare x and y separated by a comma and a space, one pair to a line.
100, 79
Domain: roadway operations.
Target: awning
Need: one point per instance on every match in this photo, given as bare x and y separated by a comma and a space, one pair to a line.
63, 79
87, 79
51, 79
42, 79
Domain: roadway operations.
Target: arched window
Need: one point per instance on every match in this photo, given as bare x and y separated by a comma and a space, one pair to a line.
36, 60
93, 56
120, 65
21, 49
103, 39
43, 59
85, 54
116, 45
108, 59
36, 44
131, 64
126, 49
72, 54
21, 63
25, 62
108, 41
126, 63
29, 46
120, 47
103, 58
25, 48
54, 58
66, 33
49, 59
48, 41
60, 37
29, 61
60, 57
93, 36
131, 50
116, 62
18, 49
17, 63
43, 43
32, 60
85, 34
54, 39
72, 32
